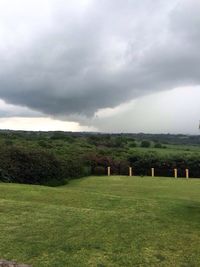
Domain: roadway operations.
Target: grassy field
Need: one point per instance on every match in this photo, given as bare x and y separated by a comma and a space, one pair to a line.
168, 150
102, 221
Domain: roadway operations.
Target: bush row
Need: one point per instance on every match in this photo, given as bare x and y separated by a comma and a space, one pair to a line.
22, 165
143, 163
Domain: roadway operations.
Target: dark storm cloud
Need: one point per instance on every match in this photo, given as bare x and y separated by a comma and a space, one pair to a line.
80, 59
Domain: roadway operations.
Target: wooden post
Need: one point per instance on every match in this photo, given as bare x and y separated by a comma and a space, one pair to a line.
187, 173
152, 172
130, 171
108, 171
175, 173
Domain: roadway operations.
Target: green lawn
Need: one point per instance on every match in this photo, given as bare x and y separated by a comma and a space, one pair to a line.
102, 221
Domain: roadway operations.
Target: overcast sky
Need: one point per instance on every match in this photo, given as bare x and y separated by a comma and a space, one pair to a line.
109, 65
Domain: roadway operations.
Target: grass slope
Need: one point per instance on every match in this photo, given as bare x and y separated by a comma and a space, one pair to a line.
102, 221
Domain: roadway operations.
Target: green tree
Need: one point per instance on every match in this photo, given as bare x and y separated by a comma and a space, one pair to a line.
145, 143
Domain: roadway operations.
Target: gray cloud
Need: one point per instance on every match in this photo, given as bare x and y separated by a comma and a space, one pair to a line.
74, 60
8, 111
162, 112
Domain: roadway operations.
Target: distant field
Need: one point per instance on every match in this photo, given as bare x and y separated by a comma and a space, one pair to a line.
102, 221
170, 150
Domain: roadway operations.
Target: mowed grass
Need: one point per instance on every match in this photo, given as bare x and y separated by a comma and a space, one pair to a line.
102, 221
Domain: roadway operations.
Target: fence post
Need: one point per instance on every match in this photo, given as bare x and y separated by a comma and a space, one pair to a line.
187, 173
108, 171
175, 173
152, 172
130, 171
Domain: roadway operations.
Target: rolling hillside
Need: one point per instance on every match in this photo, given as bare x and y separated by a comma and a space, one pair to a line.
102, 221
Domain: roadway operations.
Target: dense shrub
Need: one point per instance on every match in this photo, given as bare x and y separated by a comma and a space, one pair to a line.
8, 142
44, 144
107, 140
164, 166
132, 144
30, 166
158, 145
145, 143
123, 167
53, 158
4, 177
76, 169
99, 170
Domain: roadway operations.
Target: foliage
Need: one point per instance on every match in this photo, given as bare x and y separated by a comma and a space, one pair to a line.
133, 144
67, 155
145, 143
158, 145
32, 167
